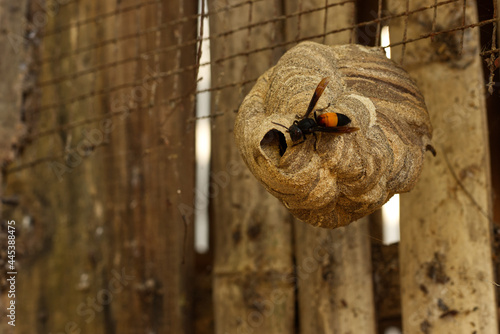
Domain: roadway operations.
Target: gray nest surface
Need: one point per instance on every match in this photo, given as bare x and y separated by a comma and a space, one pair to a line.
330, 179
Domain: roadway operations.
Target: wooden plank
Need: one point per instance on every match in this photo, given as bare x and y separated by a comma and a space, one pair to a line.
445, 249
386, 286
253, 248
334, 278
333, 267
493, 102
108, 248
13, 67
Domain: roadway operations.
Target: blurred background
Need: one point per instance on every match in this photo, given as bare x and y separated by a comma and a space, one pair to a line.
134, 212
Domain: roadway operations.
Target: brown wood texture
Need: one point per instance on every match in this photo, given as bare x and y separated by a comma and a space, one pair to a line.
334, 278
386, 285
253, 241
106, 180
495, 135
333, 267
14, 69
445, 249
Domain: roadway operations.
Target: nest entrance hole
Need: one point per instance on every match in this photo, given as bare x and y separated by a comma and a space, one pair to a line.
274, 144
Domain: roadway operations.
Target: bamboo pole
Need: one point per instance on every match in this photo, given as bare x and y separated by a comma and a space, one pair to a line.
333, 267
253, 252
445, 249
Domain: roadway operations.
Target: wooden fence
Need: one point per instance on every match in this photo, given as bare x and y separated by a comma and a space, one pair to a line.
98, 173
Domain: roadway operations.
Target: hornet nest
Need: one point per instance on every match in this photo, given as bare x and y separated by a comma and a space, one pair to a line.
334, 171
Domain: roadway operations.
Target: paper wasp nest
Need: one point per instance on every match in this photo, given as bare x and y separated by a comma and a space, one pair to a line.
332, 179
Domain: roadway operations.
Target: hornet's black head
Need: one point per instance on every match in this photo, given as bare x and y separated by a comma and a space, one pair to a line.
295, 132
299, 129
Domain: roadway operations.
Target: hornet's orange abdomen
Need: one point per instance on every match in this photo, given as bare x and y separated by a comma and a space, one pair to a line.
328, 120
332, 119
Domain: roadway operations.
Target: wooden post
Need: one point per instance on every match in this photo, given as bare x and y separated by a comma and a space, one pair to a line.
445, 250
333, 267
253, 249
13, 68
106, 179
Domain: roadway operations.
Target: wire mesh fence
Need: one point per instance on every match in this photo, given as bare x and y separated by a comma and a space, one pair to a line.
101, 73
131, 28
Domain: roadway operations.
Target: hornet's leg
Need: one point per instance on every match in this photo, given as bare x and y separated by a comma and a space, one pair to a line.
300, 142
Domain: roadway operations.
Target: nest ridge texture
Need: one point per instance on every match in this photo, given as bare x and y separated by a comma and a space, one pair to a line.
331, 180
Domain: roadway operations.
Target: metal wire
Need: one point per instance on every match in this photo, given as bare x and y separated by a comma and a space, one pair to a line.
249, 24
